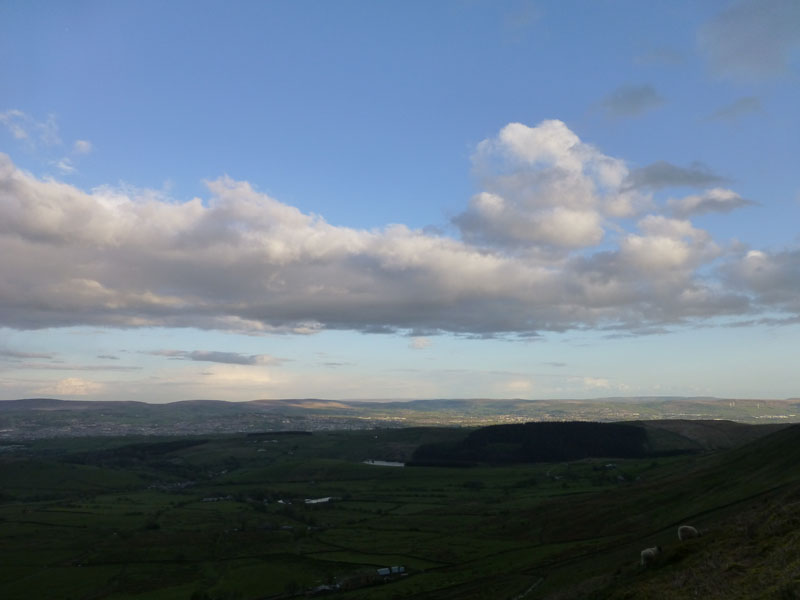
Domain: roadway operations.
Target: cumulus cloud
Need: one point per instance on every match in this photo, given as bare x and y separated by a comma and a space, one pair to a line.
491, 219
773, 279
546, 245
753, 40
631, 100
662, 174
715, 200
229, 358
543, 188
667, 245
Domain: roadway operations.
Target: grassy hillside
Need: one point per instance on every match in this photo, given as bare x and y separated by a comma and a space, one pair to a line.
746, 502
701, 434
225, 517
750, 554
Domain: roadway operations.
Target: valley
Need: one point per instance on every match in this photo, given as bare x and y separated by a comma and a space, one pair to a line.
284, 514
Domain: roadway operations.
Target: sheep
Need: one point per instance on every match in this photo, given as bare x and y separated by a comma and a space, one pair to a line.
649, 555
687, 532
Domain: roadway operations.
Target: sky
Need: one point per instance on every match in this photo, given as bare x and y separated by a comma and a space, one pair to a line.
397, 200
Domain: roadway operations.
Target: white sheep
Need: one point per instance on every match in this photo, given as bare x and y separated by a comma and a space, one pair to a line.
649, 555
687, 532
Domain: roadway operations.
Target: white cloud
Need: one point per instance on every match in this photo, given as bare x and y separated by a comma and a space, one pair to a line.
30, 130
234, 376
668, 244
420, 343
72, 386
544, 188
14, 121
65, 166
492, 219
82, 147
595, 383
517, 386
542, 249
655, 252
550, 142
43, 139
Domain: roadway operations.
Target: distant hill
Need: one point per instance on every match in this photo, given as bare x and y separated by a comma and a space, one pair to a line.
54, 404
47, 417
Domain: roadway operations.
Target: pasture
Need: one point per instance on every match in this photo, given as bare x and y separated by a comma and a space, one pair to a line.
227, 517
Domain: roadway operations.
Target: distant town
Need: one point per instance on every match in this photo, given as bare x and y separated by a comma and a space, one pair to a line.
46, 417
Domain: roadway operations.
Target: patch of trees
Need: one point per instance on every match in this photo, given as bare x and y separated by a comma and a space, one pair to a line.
538, 442
270, 434
132, 454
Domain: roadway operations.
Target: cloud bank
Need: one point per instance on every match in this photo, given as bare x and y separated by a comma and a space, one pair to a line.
546, 245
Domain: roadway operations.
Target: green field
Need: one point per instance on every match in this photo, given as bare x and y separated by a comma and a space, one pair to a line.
226, 517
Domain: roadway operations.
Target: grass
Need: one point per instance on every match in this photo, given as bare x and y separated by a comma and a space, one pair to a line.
145, 530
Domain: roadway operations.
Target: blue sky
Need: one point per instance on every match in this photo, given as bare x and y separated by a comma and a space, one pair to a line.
374, 200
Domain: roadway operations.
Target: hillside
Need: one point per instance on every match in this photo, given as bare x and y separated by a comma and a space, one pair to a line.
746, 500
555, 441
227, 517
538, 442
752, 554
276, 515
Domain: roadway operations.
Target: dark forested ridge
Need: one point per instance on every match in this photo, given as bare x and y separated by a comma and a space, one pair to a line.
540, 442
133, 454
